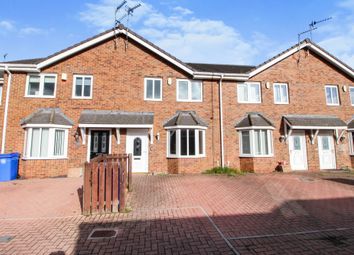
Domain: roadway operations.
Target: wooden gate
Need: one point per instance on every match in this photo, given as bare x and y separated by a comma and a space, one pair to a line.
106, 180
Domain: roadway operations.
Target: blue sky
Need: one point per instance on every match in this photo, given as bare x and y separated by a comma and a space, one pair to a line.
222, 31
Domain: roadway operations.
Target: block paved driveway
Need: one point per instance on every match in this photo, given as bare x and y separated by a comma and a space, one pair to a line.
197, 214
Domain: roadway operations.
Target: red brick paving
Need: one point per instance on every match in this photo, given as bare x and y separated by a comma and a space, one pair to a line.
168, 218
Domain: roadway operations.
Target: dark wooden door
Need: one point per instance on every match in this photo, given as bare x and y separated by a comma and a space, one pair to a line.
99, 143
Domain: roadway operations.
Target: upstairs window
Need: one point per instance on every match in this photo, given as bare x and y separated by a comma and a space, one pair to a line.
82, 86
189, 91
249, 92
351, 90
41, 85
332, 97
153, 89
281, 93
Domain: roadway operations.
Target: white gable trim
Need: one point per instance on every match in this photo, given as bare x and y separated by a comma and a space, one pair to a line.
296, 49
105, 37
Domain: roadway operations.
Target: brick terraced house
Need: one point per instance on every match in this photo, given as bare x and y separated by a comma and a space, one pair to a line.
110, 95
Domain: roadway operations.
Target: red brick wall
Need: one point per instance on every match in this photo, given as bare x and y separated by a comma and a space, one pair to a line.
118, 84
306, 81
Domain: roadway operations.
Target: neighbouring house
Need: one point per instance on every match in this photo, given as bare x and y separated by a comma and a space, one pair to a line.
108, 94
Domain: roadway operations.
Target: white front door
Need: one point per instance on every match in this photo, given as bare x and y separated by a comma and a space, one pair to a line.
298, 152
137, 144
326, 151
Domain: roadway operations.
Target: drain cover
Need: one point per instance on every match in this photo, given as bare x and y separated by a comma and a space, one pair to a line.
103, 233
306, 179
6, 239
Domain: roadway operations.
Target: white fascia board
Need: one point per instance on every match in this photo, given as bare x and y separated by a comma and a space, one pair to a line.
46, 126
218, 76
107, 36
331, 59
186, 127
317, 127
20, 67
278, 59
115, 126
255, 127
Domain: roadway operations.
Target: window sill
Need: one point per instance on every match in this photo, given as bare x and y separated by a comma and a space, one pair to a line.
82, 98
45, 97
257, 156
333, 104
249, 102
282, 103
185, 157
49, 158
153, 100
190, 101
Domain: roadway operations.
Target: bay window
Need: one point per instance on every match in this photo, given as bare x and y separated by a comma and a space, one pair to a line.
256, 143
46, 143
351, 141
185, 142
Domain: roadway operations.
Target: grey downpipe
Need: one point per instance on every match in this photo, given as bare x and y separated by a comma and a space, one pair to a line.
221, 122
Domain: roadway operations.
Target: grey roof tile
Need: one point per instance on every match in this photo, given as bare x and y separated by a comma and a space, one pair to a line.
314, 120
254, 119
48, 116
116, 117
220, 68
185, 118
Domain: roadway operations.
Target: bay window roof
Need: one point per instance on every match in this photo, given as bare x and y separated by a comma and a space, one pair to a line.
52, 116
351, 124
254, 119
185, 118
314, 121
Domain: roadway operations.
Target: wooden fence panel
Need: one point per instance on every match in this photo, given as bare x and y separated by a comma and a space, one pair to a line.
109, 186
106, 179
94, 187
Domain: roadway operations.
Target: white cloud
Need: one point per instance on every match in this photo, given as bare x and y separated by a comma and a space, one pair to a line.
182, 34
337, 36
6, 25
30, 31
182, 11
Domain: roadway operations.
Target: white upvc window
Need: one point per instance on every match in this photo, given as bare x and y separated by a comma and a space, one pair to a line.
189, 91
1, 88
82, 86
46, 143
351, 141
249, 92
153, 89
41, 85
256, 143
185, 143
332, 96
281, 94
351, 92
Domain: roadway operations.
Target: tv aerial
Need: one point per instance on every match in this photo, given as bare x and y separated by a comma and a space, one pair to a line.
128, 12
312, 27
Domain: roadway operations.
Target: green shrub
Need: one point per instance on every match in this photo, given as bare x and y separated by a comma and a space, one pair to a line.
224, 170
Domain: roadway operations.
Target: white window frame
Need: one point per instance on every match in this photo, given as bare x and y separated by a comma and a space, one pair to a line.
252, 153
83, 76
51, 137
350, 97
249, 101
1, 90
153, 89
351, 143
178, 143
41, 85
336, 87
281, 95
189, 91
